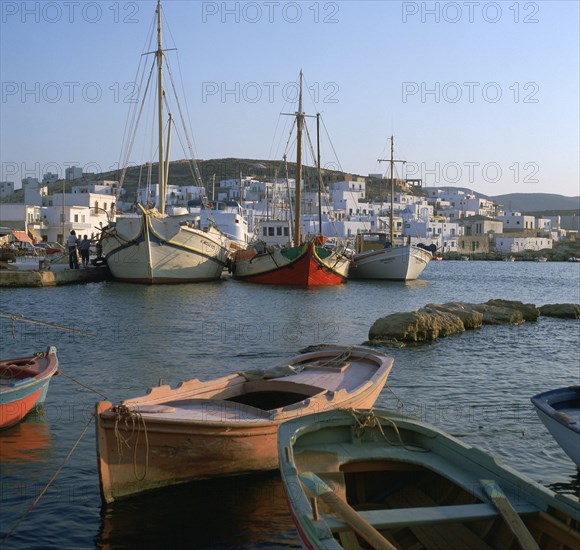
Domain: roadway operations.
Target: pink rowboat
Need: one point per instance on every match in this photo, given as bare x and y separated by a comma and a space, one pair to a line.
24, 384
228, 425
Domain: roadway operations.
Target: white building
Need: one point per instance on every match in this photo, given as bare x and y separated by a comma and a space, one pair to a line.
73, 173
49, 178
176, 195
6, 188
518, 245
514, 221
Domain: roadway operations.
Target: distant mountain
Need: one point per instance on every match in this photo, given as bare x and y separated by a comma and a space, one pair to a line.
537, 202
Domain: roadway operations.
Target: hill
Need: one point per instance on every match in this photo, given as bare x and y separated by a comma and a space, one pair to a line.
537, 202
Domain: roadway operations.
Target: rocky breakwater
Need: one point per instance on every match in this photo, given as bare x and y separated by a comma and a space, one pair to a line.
439, 320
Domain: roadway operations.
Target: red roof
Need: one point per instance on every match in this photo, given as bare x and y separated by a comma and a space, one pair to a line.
22, 236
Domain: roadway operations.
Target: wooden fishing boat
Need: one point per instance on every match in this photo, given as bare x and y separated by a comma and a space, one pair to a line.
304, 262
308, 264
379, 479
376, 259
24, 384
382, 256
228, 425
155, 248
559, 410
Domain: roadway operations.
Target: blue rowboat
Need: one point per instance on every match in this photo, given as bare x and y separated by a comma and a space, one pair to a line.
379, 479
559, 410
24, 384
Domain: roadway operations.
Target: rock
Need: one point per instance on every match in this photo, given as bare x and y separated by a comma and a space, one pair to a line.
417, 326
470, 318
563, 311
494, 315
529, 311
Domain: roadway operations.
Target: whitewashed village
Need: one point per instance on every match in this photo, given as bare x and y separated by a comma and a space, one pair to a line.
457, 222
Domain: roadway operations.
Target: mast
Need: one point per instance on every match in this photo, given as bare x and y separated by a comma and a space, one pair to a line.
166, 168
299, 124
159, 55
392, 216
319, 173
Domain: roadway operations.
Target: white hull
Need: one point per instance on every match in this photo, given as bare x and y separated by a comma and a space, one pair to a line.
156, 249
567, 438
400, 263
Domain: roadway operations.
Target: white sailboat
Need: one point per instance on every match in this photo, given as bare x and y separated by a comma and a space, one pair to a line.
379, 256
152, 247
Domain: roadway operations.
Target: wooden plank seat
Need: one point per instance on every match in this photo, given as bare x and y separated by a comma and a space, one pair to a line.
409, 517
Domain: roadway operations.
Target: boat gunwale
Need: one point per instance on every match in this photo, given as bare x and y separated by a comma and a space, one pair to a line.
28, 382
544, 403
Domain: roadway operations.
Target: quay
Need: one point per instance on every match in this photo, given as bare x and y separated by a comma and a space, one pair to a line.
31, 272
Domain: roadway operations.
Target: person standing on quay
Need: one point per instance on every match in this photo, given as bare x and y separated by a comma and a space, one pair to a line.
71, 245
84, 248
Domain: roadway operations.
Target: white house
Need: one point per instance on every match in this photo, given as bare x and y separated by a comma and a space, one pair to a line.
517, 245
73, 173
6, 188
514, 221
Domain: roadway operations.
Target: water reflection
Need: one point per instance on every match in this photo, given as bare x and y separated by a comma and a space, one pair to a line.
234, 512
28, 441
571, 486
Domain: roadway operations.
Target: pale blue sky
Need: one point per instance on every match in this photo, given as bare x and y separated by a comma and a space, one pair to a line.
379, 68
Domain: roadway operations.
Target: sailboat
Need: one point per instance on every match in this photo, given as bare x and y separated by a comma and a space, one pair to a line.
304, 262
152, 247
378, 256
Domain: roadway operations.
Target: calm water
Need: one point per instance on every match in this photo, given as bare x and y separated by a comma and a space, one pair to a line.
477, 386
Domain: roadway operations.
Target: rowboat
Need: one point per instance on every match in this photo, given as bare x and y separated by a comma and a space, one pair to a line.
24, 384
559, 410
228, 425
379, 478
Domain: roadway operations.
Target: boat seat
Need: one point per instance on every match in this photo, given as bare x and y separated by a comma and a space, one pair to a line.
409, 517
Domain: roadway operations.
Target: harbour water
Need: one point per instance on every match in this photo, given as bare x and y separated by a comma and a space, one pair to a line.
476, 385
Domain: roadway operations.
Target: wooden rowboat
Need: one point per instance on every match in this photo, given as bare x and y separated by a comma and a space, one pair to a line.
24, 384
378, 479
559, 410
228, 425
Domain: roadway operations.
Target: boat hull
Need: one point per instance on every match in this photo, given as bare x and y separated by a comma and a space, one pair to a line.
142, 450
24, 385
399, 263
414, 484
559, 410
304, 265
151, 249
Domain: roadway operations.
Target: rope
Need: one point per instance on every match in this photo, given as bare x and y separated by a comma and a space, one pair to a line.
81, 384
370, 420
50, 481
122, 412
14, 318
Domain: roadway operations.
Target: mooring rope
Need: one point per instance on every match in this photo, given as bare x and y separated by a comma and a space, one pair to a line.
370, 420
122, 412
81, 384
50, 481
21, 319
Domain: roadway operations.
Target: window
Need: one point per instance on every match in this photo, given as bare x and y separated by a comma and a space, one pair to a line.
76, 218
270, 231
285, 232
265, 231
278, 231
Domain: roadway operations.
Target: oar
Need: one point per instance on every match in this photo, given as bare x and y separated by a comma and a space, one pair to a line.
507, 512
344, 510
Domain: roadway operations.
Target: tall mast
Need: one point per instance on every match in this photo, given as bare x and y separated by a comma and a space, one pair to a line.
392, 216
299, 124
319, 173
159, 55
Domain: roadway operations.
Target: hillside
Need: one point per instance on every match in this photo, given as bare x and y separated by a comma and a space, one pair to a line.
537, 202
180, 173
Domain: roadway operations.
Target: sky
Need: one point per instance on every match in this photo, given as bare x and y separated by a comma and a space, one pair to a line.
477, 94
